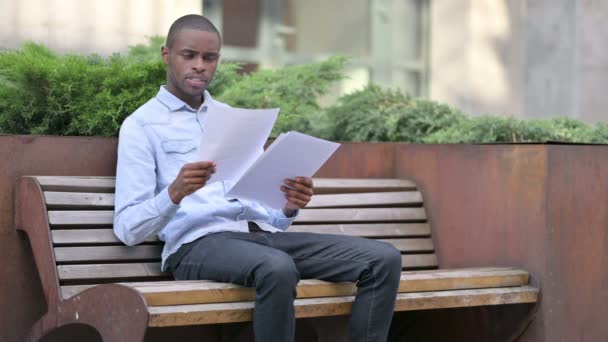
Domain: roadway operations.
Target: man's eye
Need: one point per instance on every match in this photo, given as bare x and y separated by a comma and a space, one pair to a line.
187, 55
210, 58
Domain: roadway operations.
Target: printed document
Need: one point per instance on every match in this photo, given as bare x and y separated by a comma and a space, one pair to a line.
234, 138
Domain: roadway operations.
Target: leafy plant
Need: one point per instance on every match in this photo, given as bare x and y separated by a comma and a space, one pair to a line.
376, 114
42, 92
295, 89
490, 129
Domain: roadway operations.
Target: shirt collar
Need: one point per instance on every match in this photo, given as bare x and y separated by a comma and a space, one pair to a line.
174, 103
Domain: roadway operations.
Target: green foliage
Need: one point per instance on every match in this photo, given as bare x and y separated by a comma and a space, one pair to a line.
491, 129
376, 114
295, 89
45, 93
147, 52
42, 92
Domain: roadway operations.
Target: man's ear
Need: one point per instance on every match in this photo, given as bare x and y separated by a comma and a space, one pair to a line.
164, 54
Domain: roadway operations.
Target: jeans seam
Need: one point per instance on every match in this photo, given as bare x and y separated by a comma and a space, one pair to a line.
369, 317
371, 307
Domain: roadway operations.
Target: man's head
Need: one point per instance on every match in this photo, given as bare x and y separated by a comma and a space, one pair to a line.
191, 55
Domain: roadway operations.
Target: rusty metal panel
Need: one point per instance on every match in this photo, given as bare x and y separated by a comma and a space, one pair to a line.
28, 155
361, 160
577, 236
537, 207
486, 205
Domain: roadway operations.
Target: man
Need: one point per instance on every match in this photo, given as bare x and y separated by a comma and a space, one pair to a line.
161, 189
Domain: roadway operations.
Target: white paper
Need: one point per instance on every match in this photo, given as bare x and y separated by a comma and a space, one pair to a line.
234, 138
293, 154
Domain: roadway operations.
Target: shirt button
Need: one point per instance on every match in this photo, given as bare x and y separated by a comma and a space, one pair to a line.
204, 109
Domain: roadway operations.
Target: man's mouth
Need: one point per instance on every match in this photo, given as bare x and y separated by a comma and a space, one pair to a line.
197, 82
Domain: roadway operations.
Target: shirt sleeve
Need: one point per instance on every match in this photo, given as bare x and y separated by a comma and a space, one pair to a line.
141, 211
278, 218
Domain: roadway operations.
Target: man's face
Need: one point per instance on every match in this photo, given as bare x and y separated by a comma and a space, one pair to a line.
191, 64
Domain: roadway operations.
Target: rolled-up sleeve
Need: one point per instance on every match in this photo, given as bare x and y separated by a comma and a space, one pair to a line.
141, 209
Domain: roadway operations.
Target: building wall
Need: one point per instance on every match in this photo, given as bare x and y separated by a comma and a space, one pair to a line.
100, 27
539, 58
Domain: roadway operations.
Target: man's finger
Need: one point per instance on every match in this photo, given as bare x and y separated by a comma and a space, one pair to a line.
206, 164
296, 194
305, 181
196, 173
299, 187
294, 202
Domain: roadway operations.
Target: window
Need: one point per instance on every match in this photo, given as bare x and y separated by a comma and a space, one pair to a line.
387, 39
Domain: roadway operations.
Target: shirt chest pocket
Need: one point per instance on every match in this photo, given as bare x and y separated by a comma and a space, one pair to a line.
179, 150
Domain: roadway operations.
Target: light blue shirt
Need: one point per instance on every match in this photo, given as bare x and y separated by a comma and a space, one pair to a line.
154, 142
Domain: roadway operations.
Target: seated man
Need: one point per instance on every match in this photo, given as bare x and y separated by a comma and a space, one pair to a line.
161, 190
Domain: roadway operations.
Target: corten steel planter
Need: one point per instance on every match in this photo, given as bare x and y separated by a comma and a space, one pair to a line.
539, 207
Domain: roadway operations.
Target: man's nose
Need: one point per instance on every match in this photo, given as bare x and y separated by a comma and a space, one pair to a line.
199, 64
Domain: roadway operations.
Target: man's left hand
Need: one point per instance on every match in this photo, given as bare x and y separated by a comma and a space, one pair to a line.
298, 192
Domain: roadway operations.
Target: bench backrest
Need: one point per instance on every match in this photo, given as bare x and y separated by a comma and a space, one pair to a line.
86, 252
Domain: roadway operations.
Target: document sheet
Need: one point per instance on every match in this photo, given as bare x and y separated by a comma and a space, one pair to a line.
234, 138
291, 155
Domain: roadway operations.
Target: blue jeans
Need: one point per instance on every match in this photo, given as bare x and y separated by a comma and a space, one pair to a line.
273, 263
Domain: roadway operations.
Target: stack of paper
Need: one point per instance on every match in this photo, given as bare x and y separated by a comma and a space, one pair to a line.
234, 138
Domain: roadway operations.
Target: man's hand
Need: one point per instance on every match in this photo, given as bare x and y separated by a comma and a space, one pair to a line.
298, 192
190, 178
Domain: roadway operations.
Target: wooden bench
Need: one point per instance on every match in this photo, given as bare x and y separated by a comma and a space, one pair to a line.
90, 277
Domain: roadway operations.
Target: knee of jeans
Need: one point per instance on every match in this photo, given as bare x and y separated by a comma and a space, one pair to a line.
278, 269
389, 258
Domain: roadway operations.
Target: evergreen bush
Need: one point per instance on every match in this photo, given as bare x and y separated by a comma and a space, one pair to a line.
42, 92
376, 114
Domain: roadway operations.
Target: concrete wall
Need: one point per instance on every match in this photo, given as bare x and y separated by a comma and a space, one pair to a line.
538, 58
102, 27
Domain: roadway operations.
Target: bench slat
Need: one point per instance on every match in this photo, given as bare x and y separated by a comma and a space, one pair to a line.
367, 229
107, 253
76, 183
94, 254
411, 245
106, 217
347, 185
163, 316
322, 185
84, 200
93, 272
88, 237
81, 217
204, 292
372, 199
418, 261
361, 215
94, 236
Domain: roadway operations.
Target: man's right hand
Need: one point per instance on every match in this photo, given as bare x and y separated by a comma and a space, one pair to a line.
190, 178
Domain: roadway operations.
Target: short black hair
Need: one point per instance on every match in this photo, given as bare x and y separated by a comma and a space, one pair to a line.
190, 21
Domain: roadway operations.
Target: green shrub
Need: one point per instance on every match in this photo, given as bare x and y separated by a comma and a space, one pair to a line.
492, 129
42, 92
376, 114
295, 89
